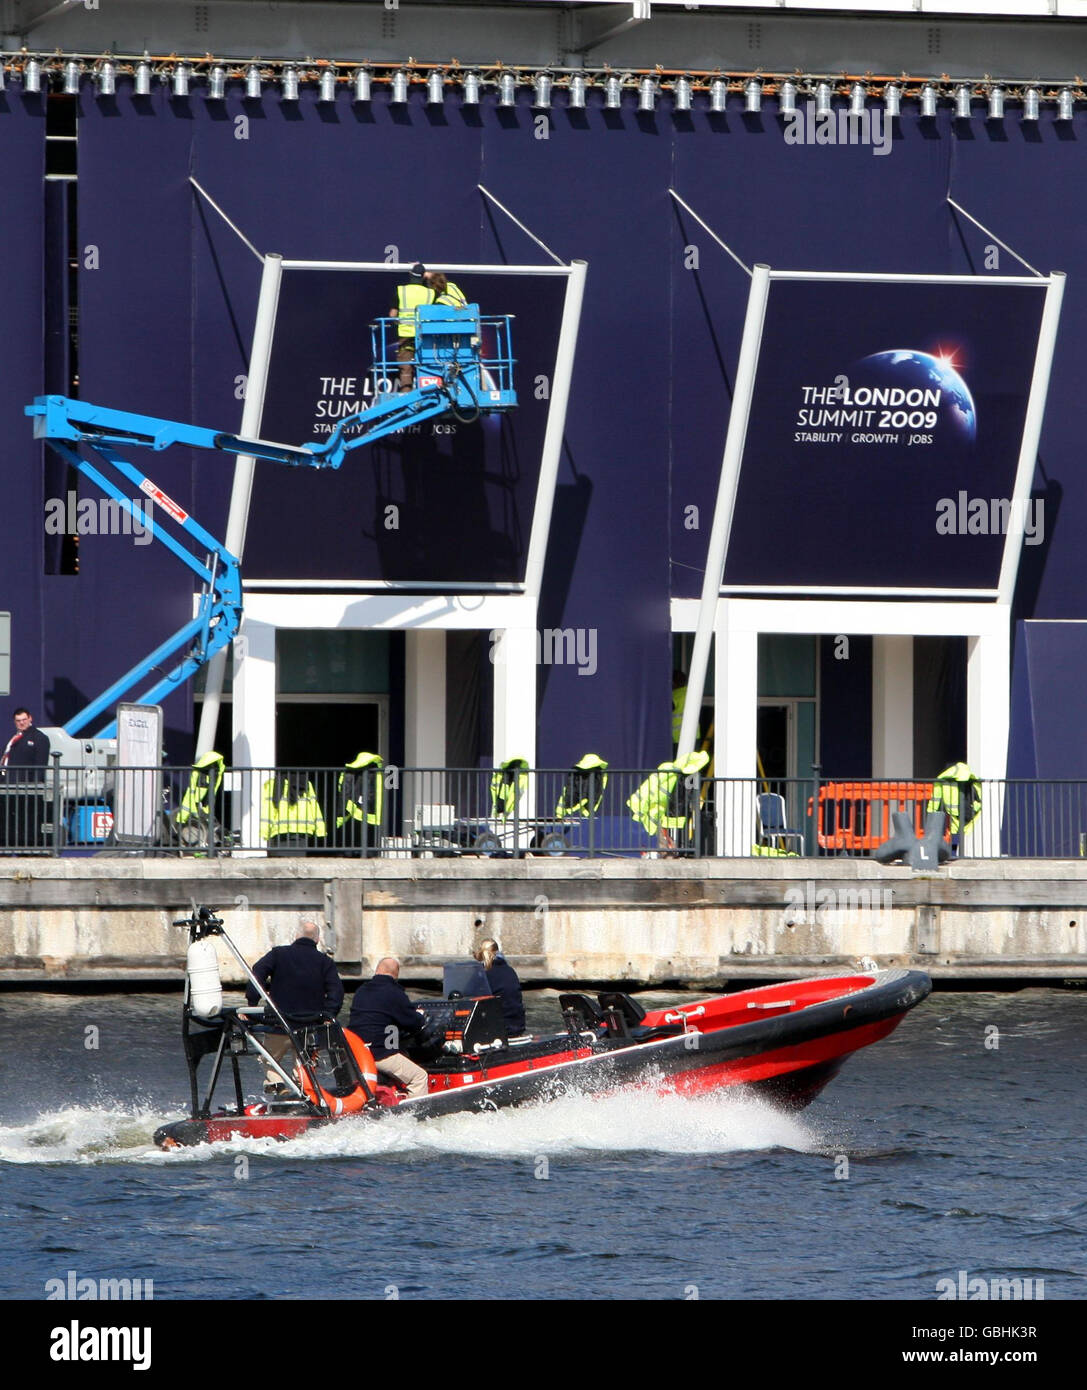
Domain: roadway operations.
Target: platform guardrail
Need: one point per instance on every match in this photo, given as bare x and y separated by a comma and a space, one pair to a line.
397, 812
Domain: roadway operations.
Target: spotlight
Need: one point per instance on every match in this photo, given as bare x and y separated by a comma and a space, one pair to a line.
326, 88
822, 99
928, 100
892, 99
216, 83
858, 95
471, 89
400, 89
32, 75
71, 78
752, 96
181, 76
143, 78
647, 94
718, 94
996, 103
1, 77
435, 88
681, 93
106, 78
362, 85
613, 94
1065, 104
252, 82
541, 91
577, 92
787, 98
290, 84
507, 90
962, 102
1030, 104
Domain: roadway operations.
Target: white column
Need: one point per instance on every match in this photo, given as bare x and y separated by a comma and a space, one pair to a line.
424, 699
424, 717
244, 469
254, 743
988, 696
513, 651
988, 699
735, 718
892, 707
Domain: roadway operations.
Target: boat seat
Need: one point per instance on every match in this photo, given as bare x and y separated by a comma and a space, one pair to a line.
620, 1013
580, 1009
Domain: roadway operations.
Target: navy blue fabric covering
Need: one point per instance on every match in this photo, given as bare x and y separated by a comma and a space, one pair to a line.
22, 152
167, 317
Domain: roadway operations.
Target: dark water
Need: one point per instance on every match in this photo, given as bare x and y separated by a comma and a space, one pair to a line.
960, 1157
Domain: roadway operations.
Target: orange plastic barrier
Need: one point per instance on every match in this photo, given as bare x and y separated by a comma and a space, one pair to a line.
857, 815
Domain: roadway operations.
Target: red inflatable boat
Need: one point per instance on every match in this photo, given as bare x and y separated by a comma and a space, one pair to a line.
785, 1041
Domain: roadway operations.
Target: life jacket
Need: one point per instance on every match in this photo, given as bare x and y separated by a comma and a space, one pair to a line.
957, 792
508, 785
408, 298
588, 775
362, 789
205, 771
279, 815
664, 800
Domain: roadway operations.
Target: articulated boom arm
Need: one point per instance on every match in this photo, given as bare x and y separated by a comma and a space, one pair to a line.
219, 613
462, 365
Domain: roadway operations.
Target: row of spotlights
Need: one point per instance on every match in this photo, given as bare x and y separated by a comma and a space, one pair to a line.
648, 90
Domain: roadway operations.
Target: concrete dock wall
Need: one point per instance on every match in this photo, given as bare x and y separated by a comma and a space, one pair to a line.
107, 920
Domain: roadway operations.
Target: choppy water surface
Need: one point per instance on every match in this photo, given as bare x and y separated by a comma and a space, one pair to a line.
959, 1156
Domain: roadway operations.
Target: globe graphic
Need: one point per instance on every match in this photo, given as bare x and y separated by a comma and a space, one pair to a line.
910, 370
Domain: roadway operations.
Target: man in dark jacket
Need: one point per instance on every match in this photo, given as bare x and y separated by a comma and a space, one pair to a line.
303, 982
384, 1018
23, 765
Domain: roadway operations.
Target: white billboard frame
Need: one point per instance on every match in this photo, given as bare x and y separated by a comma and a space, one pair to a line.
550, 454
840, 611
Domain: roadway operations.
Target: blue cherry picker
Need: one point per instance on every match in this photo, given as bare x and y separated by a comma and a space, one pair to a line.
463, 368
453, 377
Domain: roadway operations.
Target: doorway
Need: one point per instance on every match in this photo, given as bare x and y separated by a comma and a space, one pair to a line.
328, 731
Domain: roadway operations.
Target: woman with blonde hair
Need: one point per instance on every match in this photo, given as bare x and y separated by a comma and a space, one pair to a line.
445, 291
503, 982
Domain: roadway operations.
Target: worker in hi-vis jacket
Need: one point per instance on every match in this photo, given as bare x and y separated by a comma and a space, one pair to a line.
408, 298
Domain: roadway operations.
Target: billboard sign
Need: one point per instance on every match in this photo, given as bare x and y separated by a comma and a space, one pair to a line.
882, 450
443, 503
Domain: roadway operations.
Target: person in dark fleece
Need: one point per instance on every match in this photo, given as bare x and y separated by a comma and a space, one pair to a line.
303, 982
503, 981
22, 765
385, 1019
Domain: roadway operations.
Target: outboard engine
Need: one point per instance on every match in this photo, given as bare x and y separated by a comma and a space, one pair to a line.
203, 981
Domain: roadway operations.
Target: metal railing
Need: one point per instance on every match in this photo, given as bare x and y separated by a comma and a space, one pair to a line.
411, 812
